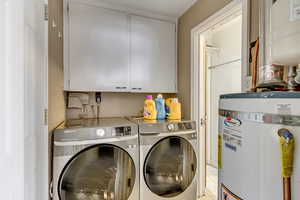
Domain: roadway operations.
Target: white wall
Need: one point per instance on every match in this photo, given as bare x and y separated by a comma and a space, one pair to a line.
222, 78
21, 61
12, 100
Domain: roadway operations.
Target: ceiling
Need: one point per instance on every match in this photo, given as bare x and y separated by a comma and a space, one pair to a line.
170, 8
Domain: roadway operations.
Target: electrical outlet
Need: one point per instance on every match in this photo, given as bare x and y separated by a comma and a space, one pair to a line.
98, 97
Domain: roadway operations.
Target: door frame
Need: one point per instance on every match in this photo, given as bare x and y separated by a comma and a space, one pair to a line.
198, 72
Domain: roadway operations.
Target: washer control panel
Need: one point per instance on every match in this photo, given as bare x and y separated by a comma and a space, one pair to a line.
122, 131
180, 126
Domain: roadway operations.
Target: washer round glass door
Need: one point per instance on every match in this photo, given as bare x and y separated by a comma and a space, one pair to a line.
170, 167
102, 172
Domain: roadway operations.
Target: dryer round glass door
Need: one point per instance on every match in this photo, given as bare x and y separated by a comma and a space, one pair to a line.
102, 172
170, 167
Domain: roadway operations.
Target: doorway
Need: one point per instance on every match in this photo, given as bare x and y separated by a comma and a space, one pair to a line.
219, 57
223, 44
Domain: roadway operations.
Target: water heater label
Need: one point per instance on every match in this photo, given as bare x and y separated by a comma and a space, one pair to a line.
232, 133
232, 139
284, 109
232, 122
226, 194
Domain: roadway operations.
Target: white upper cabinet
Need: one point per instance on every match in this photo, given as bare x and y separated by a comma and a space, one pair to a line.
153, 55
111, 51
98, 49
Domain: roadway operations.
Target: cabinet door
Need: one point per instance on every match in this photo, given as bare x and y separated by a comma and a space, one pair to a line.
98, 49
153, 55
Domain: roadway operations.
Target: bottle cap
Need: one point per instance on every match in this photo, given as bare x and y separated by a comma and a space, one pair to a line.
149, 97
160, 96
175, 100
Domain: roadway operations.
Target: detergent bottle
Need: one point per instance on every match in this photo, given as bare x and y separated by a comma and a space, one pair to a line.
175, 110
150, 112
167, 106
160, 107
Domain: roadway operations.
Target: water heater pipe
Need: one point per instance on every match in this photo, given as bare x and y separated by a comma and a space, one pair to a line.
287, 144
297, 78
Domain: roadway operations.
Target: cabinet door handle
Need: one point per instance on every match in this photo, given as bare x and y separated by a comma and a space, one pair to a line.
121, 88
136, 88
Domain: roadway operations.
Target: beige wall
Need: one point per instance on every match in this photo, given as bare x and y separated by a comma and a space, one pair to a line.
254, 24
194, 16
56, 103
113, 105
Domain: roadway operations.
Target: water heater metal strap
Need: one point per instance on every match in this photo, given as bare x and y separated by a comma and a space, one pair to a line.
259, 117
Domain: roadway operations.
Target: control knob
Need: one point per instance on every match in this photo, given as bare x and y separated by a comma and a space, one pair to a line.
171, 127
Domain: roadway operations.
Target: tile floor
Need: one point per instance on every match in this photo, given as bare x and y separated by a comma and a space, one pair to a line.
212, 180
208, 196
211, 184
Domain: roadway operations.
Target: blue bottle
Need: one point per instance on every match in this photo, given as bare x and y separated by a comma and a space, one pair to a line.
160, 107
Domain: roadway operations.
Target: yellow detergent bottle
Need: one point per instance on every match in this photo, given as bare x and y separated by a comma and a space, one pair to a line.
175, 110
150, 112
168, 104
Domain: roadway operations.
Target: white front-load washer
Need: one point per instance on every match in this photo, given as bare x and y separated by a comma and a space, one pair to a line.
168, 160
96, 159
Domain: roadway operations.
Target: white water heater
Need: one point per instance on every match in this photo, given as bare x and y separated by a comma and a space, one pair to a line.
259, 146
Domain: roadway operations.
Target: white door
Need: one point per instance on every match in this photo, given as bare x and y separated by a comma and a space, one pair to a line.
98, 49
23, 83
36, 84
153, 55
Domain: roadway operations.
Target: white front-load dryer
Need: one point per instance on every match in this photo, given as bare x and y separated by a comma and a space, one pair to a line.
96, 160
168, 160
